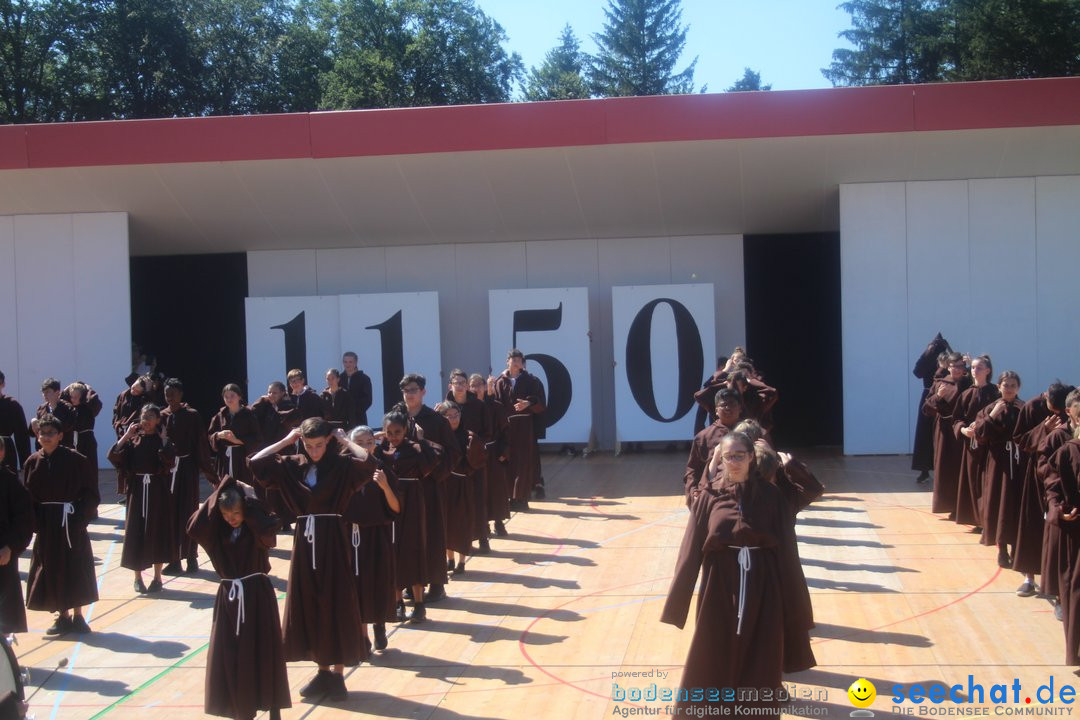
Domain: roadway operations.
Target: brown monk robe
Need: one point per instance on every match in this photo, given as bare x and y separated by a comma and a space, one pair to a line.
1054, 561
275, 414
459, 492
927, 370
16, 529
435, 430
185, 428
1031, 427
972, 453
245, 663
322, 612
409, 461
150, 536
87, 405
497, 504
229, 457
63, 412
62, 563
340, 408
736, 523
14, 432
940, 405
728, 405
474, 420
371, 513
126, 411
999, 506
1064, 501
522, 397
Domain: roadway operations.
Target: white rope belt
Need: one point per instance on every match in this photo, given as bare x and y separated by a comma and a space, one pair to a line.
519, 415
309, 532
228, 457
974, 443
1014, 456
69, 509
146, 478
75, 436
356, 549
744, 571
236, 593
175, 468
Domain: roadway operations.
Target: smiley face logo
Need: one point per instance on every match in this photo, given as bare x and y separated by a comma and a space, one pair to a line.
862, 693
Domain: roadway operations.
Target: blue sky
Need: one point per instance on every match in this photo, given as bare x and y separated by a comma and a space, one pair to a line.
787, 41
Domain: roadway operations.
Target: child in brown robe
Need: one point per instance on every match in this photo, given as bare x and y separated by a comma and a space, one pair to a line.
16, 528
245, 666
64, 490
146, 456
497, 503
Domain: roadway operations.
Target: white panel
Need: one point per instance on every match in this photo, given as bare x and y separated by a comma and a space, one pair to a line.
266, 354
480, 267
1002, 222
103, 312
282, 273
429, 268
391, 332
9, 347
1058, 221
938, 285
716, 259
561, 336
656, 374
45, 296
352, 270
873, 291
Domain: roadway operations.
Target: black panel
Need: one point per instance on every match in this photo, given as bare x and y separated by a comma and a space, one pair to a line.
188, 311
793, 333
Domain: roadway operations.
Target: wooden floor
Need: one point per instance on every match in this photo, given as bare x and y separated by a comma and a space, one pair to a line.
537, 628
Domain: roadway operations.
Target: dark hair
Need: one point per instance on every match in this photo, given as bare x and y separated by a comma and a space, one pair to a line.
50, 420
727, 393
396, 417
514, 352
1057, 392
295, 373
334, 371
943, 357
50, 383
446, 406
955, 357
458, 372
477, 376
350, 353
985, 359
751, 428
1009, 375
767, 461
233, 387
739, 376
277, 385
150, 409
230, 498
315, 427
3, 378
174, 383
147, 380
417, 378
746, 365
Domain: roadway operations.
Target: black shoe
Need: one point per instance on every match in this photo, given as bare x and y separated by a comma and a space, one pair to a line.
154, 586
500, 529
399, 612
485, 547
1028, 589
1003, 558
62, 626
140, 586
435, 594
192, 566
317, 685
335, 688
538, 492
78, 625
286, 528
450, 565
380, 636
460, 569
924, 477
407, 594
173, 568
419, 614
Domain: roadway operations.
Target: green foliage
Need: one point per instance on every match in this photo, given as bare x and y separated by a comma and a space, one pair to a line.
560, 76
920, 41
640, 45
749, 81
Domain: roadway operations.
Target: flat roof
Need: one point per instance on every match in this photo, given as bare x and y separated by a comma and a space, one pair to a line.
669, 165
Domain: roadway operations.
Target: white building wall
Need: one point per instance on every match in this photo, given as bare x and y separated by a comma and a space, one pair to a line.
987, 262
462, 273
65, 306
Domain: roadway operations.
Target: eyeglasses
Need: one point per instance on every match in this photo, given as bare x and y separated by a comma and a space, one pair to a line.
736, 457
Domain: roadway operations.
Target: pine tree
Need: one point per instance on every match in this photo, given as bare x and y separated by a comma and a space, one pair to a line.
560, 76
749, 81
641, 43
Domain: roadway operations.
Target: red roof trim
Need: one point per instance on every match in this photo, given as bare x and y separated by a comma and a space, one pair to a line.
837, 111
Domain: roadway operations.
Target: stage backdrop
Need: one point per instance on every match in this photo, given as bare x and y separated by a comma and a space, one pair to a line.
551, 326
394, 333
291, 332
665, 347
